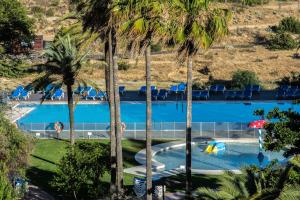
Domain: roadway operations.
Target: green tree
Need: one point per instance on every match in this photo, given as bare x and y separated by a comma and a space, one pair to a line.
15, 26
100, 17
282, 132
64, 60
80, 171
6, 190
146, 26
196, 26
242, 78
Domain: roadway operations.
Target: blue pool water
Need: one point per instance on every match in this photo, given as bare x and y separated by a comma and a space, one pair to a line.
162, 112
235, 156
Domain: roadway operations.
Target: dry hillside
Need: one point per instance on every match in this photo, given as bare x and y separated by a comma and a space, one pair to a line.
237, 51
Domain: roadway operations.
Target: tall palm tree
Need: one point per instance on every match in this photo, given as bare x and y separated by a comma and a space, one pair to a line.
145, 23
196, 26
64, 60
98, 16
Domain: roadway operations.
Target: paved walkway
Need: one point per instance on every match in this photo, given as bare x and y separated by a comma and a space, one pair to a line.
36, 193
16, 112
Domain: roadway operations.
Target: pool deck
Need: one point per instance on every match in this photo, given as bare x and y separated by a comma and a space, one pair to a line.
158, 168
266, 95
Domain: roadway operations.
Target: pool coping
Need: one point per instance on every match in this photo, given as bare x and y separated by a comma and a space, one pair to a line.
140, 157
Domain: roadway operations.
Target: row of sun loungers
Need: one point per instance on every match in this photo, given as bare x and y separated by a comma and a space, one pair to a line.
288, 92
20, 93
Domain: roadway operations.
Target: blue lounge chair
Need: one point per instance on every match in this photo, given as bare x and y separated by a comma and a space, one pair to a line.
297, 94
163, 94
142, 90
284, 87
79, 90
24, 94
154, 94
239, 95
204, 94
173, 89
248, 94
15, 94
230, 94
294, 87
196, 94
213, 88
290, 94
256, 89
58, 94
248, 88
48, 88
181, 87
102, 95
280, 94
92, 94
122, 90
20, 88
221, 88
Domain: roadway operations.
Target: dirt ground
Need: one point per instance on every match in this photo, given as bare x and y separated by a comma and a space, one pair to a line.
237, 51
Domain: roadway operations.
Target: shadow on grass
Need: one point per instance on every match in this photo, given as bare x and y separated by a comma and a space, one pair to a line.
43, 159
175, 183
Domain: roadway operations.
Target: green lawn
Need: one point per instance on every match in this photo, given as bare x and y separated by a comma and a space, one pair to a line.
47, 154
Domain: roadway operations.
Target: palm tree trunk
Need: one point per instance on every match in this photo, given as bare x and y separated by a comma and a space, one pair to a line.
149, 124
71, 112
118, 132
107, 60
113, 156
188, 166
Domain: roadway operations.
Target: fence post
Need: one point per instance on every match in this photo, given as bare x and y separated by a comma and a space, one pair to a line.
214, 129
134, 127
44, 129
174, 130
227, 130
160, 129
201, 129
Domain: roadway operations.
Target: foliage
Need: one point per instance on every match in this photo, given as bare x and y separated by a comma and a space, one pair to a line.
37, 9
11, 68
15, 26
242, 78
155, 47
282, 41
123, 66
291, 79
254, 2
6, 190
80, 170
288, 24
270, 183
50, 12
55, 3
282, 132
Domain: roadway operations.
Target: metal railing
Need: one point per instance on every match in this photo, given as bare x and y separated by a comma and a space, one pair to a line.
160, 130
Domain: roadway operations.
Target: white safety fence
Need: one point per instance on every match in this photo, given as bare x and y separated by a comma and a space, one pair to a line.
160, 130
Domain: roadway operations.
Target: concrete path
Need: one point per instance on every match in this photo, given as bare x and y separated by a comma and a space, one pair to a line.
36, 193
16, 112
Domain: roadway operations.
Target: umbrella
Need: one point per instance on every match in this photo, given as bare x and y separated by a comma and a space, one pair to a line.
259, 124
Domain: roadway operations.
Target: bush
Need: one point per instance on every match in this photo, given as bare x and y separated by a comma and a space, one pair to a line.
55, 3
254, 2
37, 9
282, 41
50, 12
80, 171
289, 24
155, 47
242, 78
123, 66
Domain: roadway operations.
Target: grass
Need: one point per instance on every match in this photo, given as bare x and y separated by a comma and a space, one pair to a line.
46, 155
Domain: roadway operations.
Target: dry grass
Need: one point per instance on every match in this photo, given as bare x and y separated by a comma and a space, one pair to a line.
237, 51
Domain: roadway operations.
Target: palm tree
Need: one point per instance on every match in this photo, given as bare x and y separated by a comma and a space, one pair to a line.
267, 184
196, 26
99, 17
64, 60
145, 22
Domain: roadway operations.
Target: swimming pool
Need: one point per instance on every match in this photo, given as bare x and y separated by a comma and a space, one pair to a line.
162, 112
235, 156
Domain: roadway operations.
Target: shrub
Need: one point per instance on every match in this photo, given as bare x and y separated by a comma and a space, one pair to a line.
254, 2
290, 24
37, 9
242, 78
55, 3
123, 66
282, 41
50, 12
80, 171
155, 47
